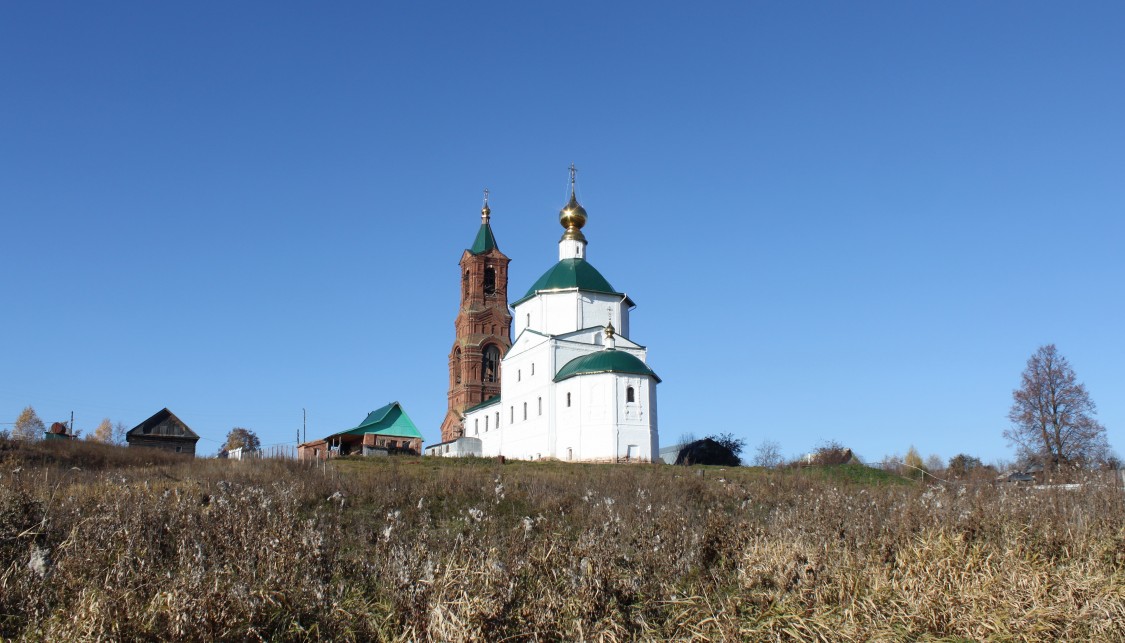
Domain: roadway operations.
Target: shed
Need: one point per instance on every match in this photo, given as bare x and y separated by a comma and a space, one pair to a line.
58, 431
163, 431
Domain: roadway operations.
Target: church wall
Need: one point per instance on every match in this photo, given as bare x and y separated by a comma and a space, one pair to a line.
637, 420
526, 413
568, 311
595, 309
599, 424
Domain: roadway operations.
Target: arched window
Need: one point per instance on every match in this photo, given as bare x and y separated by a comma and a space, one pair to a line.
568, 399
490, 363
457, 366
489, 280
630, 395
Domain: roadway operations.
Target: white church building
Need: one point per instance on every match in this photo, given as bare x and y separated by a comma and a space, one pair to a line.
573, 385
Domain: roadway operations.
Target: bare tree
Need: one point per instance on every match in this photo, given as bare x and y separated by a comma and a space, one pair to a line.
1052, 414
768, 455
934, 462
119, 431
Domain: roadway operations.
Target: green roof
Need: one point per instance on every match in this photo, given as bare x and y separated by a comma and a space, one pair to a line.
484, 241
489, 402
605, 361
388, 420
568, 274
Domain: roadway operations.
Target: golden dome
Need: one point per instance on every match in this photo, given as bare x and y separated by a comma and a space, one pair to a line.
573, 216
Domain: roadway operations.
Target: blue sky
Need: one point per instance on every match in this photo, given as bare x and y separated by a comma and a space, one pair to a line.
840, 221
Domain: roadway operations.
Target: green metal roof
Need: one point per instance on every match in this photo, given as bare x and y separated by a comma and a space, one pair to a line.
388, 420
605, 361
484, 241
489, 402
568, 274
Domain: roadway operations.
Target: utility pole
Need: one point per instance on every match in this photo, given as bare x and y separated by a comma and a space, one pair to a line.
304, 425
72, 422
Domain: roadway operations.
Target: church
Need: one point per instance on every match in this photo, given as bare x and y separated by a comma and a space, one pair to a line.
572, 386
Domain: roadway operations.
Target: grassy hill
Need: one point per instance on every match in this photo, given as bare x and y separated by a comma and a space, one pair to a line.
132, 546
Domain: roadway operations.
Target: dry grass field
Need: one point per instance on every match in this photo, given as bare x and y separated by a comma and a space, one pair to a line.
100, 543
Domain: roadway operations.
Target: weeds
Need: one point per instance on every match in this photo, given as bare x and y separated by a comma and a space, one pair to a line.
409, 548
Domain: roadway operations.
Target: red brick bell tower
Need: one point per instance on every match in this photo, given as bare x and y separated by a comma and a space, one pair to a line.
483, 328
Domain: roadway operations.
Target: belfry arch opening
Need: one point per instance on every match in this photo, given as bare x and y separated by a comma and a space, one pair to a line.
489, 280
490, 363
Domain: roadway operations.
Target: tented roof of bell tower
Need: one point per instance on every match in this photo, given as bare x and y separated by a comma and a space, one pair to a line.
484, 241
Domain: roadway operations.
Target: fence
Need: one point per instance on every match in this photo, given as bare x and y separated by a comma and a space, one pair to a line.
274, 451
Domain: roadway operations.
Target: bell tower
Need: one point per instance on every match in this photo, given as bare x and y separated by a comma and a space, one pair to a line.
483, 327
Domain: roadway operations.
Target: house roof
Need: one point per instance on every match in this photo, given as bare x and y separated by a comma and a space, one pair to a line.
570, 274
605, 361
485, 241
158, 425
387, 420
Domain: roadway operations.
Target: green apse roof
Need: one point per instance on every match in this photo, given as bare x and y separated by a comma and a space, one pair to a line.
605, 361
388, 420
568, 274
484, 241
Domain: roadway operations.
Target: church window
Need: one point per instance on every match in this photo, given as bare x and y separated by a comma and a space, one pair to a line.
476, 426
630, 395
568, 400
511, 415
540, 406
569, 453
494, 329
486, 424
457, 366
525, 410
519, 375
528, 320
498, 419
533, 368
490, 361
489, 280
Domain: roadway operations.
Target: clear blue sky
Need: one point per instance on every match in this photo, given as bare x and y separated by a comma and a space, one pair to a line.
850, 221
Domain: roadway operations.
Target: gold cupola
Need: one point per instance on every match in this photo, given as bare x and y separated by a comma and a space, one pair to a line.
573, 216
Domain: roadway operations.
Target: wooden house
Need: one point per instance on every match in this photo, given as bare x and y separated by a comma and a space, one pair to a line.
163, 431
385, 430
